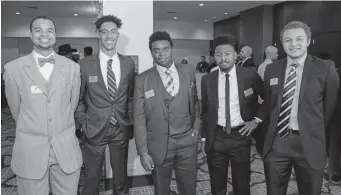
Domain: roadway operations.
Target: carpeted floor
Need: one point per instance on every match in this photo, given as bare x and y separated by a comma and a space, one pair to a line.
258, 187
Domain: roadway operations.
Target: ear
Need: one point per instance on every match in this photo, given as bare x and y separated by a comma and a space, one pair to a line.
309, 40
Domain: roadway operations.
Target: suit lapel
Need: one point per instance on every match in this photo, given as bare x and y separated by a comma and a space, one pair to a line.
308, 67
97, 67
240, 81
124, 72
183, 74
159, 88
281, 80
33, 72
214, 88
58, 74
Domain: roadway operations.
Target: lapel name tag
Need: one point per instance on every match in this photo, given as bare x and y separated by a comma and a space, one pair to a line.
274, 81
93, 79
149, 94
35, 89
248, 92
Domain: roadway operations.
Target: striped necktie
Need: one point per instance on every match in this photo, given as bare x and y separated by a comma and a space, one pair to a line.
169, 83
112, 88
286, 105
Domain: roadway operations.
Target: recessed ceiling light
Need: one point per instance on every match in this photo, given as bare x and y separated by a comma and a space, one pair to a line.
201, 4
205, 20
75, 14
214, 17
225, 13
175, 18
17, 13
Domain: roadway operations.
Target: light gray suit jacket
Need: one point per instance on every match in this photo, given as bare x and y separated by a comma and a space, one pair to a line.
150, 115
45, 117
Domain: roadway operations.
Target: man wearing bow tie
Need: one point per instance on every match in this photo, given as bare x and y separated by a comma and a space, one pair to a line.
42, 89
103, 110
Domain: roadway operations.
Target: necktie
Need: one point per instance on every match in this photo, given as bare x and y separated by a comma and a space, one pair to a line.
43, 61
288, 97
169, 83
227, 104
112, 88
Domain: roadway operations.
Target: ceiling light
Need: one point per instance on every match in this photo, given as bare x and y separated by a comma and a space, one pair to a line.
205, 20
175, 18
75, 14
17, 13
201, 4
214, 17
225, 13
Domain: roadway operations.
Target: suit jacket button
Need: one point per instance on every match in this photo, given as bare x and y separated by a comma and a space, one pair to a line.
50, 120
48, 101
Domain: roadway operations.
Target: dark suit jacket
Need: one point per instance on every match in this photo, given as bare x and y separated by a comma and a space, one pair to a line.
150, 117
317, 101
249, 107
248, 64
95, 106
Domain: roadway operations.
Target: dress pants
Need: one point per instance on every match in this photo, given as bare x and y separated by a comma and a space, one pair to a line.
334, 148
61, 183
285, 153
93, 161
182, 155
232, 147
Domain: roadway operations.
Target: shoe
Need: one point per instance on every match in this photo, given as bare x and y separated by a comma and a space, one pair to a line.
335, 179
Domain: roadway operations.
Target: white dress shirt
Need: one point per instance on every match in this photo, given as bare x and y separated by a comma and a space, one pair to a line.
115, 66
174, 75
262, 67
235, 116
299, 72
47, 69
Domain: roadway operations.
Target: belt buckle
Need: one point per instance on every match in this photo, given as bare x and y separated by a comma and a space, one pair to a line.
284, 133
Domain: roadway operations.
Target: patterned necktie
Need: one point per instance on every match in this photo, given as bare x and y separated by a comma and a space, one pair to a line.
43, 61
288, 97
227, 104
112, 88
169, 83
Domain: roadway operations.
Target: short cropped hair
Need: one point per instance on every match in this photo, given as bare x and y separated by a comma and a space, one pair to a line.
225, 39
108, 18
41, 17
160, 36
294, 25
88, 50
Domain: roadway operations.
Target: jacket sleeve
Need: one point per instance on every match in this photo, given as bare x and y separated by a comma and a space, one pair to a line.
12, 93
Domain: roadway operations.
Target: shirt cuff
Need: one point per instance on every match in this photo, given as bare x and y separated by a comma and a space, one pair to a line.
203, 139
258, 119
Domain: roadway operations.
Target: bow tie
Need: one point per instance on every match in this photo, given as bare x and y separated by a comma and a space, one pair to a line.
43, 61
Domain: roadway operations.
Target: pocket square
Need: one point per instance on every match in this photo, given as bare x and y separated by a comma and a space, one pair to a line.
248, 92
93, 79
274, 81
192, 84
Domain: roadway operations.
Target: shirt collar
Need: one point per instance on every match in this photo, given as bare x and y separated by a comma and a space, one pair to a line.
105, 58
37, 55
299, 61
268, 60
232, 72
162, 69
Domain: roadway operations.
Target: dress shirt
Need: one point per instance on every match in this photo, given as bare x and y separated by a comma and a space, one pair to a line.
235, 115
115, 66
299, 71
47, 69
262, 67
174, 75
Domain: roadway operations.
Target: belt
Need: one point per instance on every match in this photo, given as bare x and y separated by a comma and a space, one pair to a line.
289, 131
232, 128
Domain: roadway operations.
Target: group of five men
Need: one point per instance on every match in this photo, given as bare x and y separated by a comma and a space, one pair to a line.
50, 95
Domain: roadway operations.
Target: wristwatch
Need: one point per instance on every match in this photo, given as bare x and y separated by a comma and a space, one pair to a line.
257, 120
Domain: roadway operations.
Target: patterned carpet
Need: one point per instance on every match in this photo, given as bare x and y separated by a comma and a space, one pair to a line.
258, 187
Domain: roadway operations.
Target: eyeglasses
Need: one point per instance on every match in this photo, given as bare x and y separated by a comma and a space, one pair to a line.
220, 55
158, 51
106, 32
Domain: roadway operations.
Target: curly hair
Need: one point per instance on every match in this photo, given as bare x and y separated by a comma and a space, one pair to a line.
108, 18
294, 25
225, 39
160, 36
